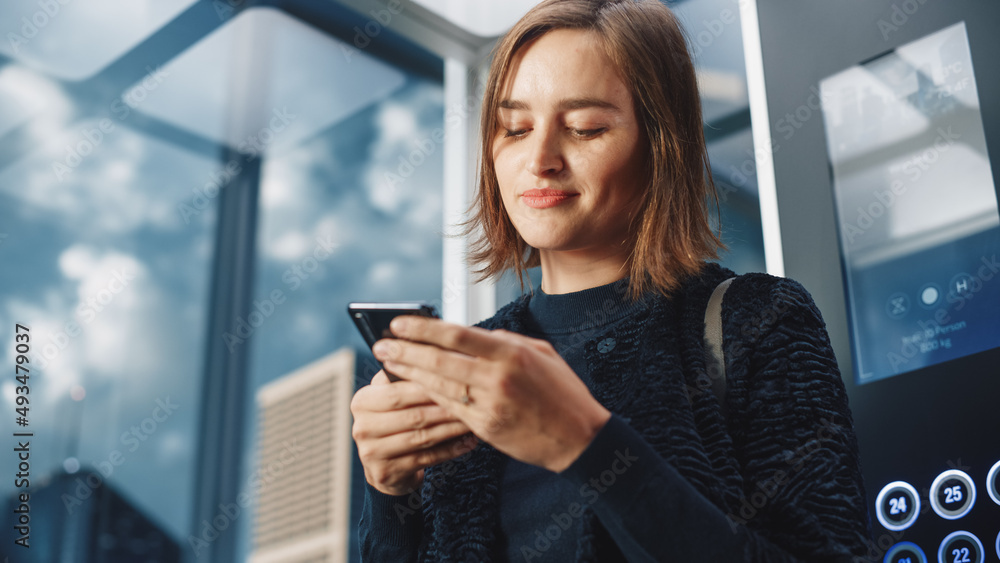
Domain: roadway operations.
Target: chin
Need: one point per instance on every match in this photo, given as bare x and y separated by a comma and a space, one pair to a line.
548, 235
539, 233
547, 243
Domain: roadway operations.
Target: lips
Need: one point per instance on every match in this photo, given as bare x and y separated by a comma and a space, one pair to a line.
546, 197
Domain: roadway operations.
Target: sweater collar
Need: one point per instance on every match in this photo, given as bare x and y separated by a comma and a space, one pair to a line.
579, 310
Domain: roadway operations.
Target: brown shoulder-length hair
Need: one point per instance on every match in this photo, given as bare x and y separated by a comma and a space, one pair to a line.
671, 235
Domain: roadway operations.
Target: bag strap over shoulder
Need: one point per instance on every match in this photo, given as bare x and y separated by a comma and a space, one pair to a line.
715, 359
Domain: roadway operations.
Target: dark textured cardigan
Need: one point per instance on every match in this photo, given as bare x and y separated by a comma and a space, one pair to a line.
787, 433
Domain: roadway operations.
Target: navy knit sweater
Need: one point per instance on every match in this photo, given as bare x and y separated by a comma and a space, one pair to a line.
776, 478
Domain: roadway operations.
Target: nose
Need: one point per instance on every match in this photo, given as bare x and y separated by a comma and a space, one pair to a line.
545, 156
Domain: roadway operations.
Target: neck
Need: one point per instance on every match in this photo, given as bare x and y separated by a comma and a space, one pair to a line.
570, 271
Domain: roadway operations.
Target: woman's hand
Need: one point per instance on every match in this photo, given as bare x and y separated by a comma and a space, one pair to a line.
400, 430
512, 391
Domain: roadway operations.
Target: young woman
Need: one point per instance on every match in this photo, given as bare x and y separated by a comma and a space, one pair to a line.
577, 423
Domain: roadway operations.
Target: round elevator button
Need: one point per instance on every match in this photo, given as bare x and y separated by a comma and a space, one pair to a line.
961, 547
905, 552
952, 494
897, 505
993, 482
930, 294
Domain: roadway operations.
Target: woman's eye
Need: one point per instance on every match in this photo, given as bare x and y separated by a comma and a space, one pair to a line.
516, 134
586, 133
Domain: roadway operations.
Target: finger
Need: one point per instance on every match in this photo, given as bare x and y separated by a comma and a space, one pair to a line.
481, 420
392, 397
440, 453
453, 365
380, 424
431, 381
380, 378
469, 340
415, 441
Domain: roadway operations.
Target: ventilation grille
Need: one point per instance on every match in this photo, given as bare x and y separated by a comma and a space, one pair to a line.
297, 440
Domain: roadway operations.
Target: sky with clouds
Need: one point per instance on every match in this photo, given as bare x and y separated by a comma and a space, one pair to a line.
113, 280
114, 287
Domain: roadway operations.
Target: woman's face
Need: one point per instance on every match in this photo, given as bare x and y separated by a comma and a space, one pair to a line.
569, 150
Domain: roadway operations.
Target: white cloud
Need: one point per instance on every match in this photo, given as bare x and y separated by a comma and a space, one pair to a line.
402, 156
107, 325
8, 391
384, 195
288, 247
289, 197
77, 261
102, 276
23, 94
125, 182
56, 353
280, 180
384, 273
396, 123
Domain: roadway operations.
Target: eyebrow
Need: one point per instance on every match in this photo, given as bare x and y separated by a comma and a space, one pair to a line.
564, 105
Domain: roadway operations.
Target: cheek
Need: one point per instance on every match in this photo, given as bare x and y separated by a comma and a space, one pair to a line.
603, 166
620, 176
504, 194
502, 180
503, 166
505, 160
627, 161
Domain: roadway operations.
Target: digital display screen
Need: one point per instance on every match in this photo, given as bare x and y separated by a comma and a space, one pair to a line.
917, 212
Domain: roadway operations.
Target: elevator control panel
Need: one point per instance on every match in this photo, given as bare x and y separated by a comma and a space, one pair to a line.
918, 227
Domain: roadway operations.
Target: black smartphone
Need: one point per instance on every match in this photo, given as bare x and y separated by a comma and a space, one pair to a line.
372, 319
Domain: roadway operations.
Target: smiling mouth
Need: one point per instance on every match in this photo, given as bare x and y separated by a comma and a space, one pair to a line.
544, 198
